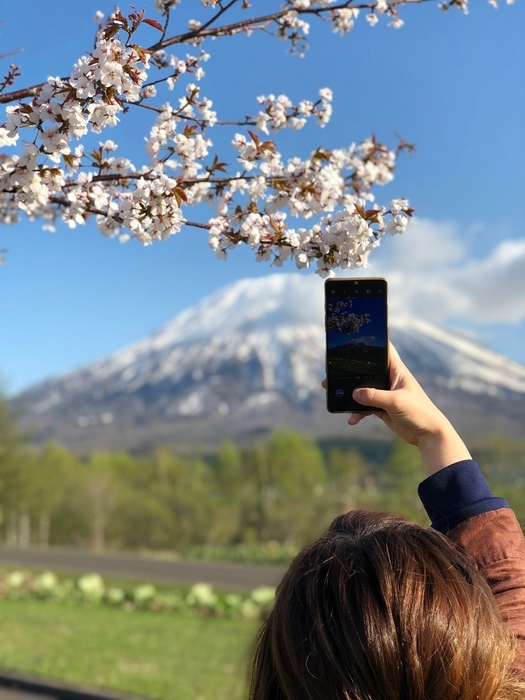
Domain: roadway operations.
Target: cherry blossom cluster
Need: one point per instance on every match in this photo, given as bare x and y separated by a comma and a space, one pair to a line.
316, 210
92, 96
339, 317
338, 182
463, 4
280, 112
63, 111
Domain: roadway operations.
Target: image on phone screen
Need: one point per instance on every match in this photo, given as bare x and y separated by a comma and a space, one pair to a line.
356, 340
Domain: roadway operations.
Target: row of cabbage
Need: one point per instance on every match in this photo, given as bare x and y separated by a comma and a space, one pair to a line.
200, 599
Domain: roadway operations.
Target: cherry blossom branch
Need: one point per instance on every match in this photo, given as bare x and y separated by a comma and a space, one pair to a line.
21, 94
255, 193
257, 23
252, 24
197, 224
220, 122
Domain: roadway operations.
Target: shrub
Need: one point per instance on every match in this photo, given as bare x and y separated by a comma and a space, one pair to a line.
201, 599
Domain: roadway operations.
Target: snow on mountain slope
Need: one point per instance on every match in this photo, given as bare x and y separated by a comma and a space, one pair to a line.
457, 361
251, 352
276, 305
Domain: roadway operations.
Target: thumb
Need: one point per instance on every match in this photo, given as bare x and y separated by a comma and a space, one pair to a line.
374, 397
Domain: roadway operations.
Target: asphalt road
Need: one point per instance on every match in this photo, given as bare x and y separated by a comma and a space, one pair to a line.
229, 576
18, 685
10, 694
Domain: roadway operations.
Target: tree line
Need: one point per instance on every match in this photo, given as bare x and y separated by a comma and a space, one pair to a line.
284, 489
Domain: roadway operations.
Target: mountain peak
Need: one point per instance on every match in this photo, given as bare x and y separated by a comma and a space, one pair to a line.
262, 302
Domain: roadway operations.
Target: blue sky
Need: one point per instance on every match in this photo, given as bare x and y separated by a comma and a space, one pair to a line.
451, 83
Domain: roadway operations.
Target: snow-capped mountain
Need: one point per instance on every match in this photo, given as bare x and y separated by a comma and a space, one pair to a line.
249, 358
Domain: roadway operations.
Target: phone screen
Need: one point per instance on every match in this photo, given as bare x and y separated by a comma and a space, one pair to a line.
356, 340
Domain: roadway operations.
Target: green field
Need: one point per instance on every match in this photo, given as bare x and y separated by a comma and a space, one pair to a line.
349, 361
165, 656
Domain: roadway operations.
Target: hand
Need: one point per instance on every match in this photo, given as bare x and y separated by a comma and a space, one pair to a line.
409, 413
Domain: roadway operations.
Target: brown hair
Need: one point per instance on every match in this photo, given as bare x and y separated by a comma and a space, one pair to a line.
383, 609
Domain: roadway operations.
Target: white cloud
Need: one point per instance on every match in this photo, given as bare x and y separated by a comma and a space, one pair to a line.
425, 244
494, 288
433, 274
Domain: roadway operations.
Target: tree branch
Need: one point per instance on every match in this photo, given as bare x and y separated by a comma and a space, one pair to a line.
255, 23
197, 224
21, 94
227, 29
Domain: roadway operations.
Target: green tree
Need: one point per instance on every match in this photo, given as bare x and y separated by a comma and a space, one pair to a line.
142, 518
55, 476
230, 494
290, 478
349, 484
399, 481
13, 477
101, 490
184, 488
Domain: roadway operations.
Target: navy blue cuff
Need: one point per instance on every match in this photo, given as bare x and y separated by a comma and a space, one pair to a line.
457, 493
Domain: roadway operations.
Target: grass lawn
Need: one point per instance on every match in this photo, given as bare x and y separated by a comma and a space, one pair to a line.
165, 656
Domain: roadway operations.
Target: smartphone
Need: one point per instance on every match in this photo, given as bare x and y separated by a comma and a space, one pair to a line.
356, 340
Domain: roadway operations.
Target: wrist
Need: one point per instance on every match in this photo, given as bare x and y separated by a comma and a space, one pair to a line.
442, 448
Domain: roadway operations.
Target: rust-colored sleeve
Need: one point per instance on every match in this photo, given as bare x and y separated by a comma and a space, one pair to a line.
495, 542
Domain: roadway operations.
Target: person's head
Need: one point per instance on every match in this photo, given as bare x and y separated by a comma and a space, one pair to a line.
383, 609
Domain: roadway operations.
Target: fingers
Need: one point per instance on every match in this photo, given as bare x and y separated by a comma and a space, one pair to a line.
399, 373
400, 378
375, 397
356, 418
393, 353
